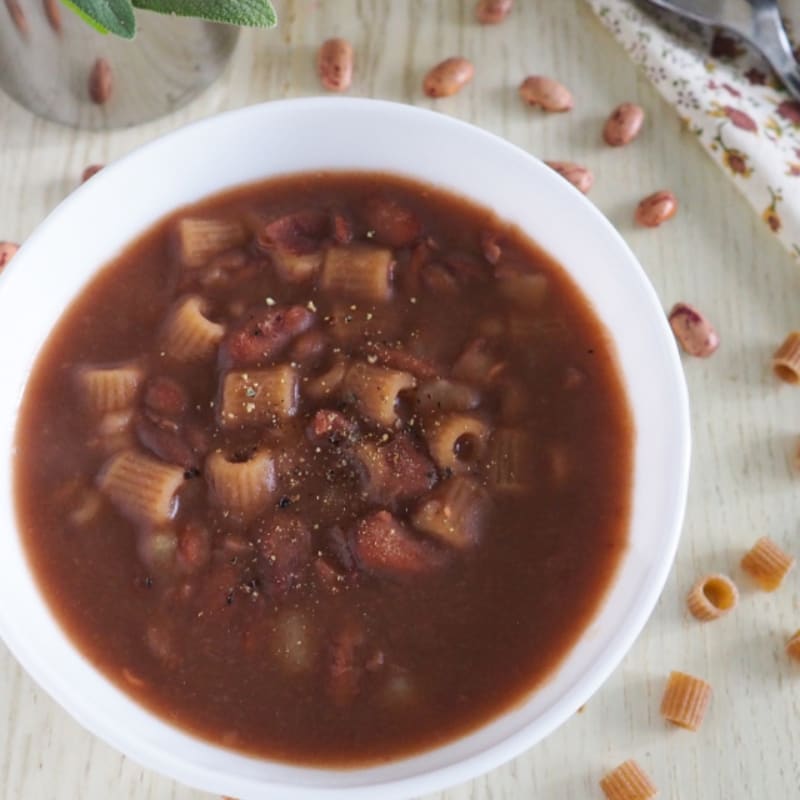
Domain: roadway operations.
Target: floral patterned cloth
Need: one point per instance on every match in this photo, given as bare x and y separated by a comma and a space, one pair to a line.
729, 98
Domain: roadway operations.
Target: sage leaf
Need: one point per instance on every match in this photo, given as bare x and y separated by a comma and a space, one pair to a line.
250, 13
106, 16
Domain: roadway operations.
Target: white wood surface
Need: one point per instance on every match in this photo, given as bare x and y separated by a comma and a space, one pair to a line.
716, 254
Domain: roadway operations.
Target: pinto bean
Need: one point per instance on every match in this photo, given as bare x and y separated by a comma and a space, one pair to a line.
90, 172
580, 177
448, 77
656, 209
695, 334
391, 222
285, 543
166, 444
345, 668
492, 12
264, 334
384, 546
623, 125
335, 65
545, 93
165, 397
330, 426
101, 82
7, 251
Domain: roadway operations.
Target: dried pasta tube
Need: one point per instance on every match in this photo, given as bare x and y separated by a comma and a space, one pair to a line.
199, 240
525, 290
142, 488
188, 334
455, 512
793, 646
509, 460
243, 487
767, 564
628, 782
685, 701
358, 270
458, 442
110, 388
259, 396
712, 596
786, 361
374, 391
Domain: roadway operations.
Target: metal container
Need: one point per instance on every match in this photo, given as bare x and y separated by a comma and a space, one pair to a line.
48, 54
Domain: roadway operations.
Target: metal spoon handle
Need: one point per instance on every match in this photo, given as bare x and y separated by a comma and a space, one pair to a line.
769, 36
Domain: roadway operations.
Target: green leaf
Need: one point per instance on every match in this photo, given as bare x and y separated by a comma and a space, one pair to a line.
252, 13
114, 16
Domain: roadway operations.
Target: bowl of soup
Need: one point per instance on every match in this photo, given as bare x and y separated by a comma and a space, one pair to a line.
343, 451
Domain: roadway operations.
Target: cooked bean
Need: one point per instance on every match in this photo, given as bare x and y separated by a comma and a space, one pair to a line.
656, 209
335, 65
695, 334
448, 77
492, 12
7, 251
580, 177
545, 93
623, 125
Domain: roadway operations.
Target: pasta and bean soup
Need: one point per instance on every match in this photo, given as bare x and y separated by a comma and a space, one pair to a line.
331, 469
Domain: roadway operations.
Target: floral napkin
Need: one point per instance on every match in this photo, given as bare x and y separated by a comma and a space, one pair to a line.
729, 98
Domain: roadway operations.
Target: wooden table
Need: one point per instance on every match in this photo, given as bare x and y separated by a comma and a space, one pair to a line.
716, 253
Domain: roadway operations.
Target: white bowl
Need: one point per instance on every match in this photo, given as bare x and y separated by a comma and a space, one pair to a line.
99, 219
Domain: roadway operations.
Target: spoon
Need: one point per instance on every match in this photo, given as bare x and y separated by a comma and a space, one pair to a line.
756, 21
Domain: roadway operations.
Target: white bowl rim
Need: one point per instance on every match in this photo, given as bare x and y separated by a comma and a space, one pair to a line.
615, 648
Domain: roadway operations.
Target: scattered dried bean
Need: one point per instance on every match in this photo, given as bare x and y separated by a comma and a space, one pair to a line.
448, 77
335, 65
545, 93
580, 177
656, 209
695, 334
101, 81
90, 172
53, 11
7, 251
492, 12
623, 125
18, 17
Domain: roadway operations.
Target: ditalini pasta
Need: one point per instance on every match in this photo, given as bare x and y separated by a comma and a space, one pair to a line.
143, 489
243, 486
259, 396
199, 240
712, 596
509, 460
526, 291
628, 782
360, 271
440, 394
458, 442
686, 700
189, 335
786, 361
455, 512
374, 391
793, 646
767, 564
110, 388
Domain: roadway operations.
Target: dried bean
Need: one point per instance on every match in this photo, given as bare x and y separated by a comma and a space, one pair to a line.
101, 81
492, 12
90, 172
656, 209
335, 65
695, 334
448, 77
7, 251
580, 177
623, 125
18, 17
545, 93
53, 11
